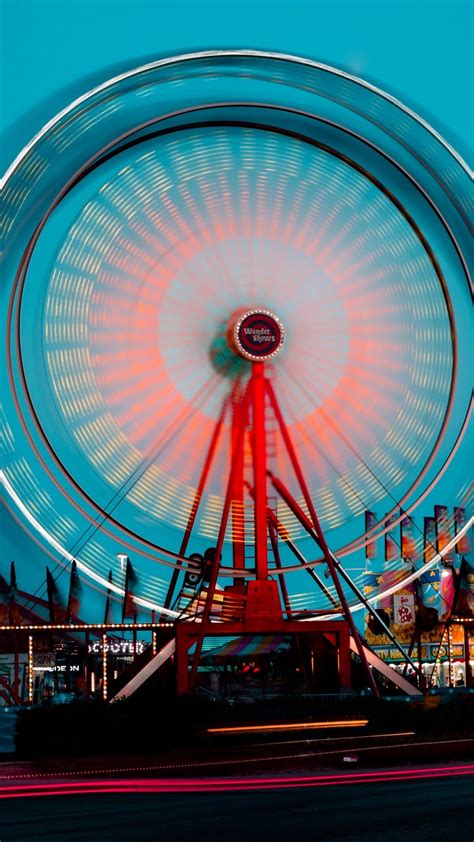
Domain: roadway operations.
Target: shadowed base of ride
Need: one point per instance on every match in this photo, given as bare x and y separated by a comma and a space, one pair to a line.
156, 724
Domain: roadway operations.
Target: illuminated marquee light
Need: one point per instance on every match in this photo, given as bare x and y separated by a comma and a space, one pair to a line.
30, 670
117, 647
104, 667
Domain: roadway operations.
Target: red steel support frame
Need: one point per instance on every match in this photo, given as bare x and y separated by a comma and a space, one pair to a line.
258, 386
281, 579
304, 520
187, 633
265, 524
220, 543
320, 535
238, 523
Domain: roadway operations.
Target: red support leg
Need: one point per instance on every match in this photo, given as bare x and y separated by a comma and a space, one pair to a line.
344, 656
183, 642
467, 664
195, 506
238, 526
258, 386
281, 580
305, 521
282, 531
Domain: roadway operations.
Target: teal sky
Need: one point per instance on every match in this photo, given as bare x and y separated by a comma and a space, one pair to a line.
417, 50
420, 51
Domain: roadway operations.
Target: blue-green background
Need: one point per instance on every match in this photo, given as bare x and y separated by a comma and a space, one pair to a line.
420, 51
417, 50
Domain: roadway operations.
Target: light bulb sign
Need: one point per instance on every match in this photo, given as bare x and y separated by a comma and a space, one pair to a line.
256, 334
125, 648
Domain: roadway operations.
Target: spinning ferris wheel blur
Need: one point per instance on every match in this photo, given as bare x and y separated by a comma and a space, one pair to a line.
157, 207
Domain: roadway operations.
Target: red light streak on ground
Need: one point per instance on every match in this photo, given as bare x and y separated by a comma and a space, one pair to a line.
238, 784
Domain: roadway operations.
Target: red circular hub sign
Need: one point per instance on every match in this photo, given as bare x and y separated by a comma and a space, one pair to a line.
256, 334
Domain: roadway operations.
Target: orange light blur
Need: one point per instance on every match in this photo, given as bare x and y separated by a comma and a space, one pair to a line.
291, 726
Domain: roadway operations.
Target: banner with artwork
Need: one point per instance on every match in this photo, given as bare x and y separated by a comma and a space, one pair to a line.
437, 590
448, 592
443, 533
404, 609
408, 540
371, 546
463, 546
429, 539
392, 550
377, 583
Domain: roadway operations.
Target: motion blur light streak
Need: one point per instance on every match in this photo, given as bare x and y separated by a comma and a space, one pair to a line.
229, 785
67, 555
291, 726
154, 606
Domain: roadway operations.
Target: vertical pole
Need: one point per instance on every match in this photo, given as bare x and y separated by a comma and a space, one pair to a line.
16, 668
438, 656
344, 659
467, 656
195, 506
104, 667
237, 450
421, 677
258, 385
30, 670
281, 581
450, 658
182, 676
87, 666
299, 555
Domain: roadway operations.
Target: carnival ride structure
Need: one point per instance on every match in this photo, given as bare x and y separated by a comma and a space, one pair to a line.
234, 322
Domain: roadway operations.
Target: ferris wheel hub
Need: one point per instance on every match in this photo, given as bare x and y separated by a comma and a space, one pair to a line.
255, 334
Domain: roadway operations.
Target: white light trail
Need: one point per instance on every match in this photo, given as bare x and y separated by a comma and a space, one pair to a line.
51, 540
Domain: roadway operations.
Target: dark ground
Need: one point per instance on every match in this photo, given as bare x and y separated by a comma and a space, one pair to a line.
425, 811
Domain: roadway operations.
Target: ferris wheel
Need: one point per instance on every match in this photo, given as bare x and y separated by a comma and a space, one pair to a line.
235, 320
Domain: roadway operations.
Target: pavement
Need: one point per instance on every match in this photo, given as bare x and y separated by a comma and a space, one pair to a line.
427, 809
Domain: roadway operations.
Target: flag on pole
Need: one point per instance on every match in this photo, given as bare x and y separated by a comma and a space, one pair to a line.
14, 615
443, 533
429, 577
429, 539
370, 546
408, 540
4, 604
463, 546
377, 583
107, 602
131, 581
54, 602
75, 590
391, 549
429, 591
448, 593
